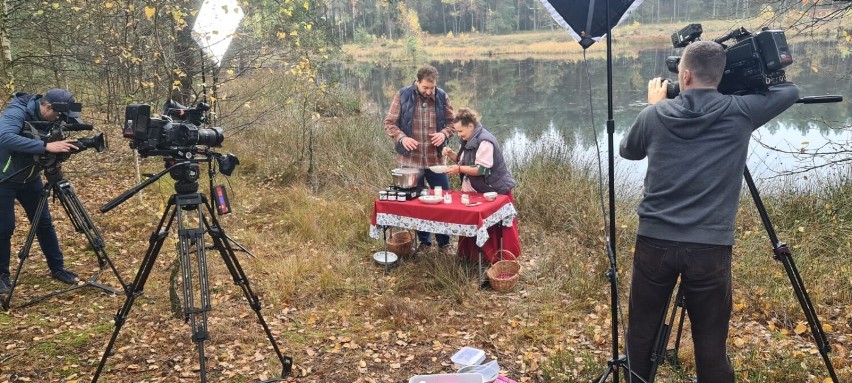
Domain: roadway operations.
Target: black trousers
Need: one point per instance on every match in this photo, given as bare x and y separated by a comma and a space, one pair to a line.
705, 272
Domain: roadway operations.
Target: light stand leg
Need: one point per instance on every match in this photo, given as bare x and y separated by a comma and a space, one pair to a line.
240, 279
155, 243
783, 254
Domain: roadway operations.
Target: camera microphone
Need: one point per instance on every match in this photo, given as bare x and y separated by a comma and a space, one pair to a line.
77, 127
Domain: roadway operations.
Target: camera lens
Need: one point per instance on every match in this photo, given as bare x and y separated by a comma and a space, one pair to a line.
672, 89
211, 137
96, 142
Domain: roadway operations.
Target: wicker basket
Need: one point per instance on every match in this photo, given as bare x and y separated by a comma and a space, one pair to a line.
503, 275
401, 242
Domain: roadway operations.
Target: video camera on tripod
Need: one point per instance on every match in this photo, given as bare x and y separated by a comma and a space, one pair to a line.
184, 146
753, 64
175, 133
175, 130
57, 131
179, 142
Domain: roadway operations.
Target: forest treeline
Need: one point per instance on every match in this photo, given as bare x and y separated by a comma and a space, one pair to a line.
362, 20
116, 52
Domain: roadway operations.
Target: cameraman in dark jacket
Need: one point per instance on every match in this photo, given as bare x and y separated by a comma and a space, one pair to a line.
20, 177
696, 145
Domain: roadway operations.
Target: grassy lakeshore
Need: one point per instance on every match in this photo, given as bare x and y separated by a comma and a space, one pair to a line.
556, 44
344, 320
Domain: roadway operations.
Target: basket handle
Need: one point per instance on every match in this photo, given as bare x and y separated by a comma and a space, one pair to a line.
501, 251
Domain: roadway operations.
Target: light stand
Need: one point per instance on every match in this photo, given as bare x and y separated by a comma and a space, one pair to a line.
617, 361
587, 23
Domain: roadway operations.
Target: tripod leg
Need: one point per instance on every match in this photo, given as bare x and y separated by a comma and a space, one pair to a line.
783, 254
240, 279
28, 244
661, 341
136, 289
671, 355
196, 316
83, 223
785, 257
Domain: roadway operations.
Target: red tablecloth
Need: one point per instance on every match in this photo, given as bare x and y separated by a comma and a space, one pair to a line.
451, 219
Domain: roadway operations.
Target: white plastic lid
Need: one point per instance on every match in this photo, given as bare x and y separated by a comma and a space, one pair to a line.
468, 356
447, 378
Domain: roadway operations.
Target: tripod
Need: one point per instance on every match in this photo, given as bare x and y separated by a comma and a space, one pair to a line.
782, 254
62, 189
180, 207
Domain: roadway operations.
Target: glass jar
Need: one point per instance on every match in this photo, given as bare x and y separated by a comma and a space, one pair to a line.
383, 195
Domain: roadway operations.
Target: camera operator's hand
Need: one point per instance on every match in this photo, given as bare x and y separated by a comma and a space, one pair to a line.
657, 90
64, 146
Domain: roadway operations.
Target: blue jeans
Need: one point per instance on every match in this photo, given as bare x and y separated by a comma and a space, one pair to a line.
434, 179
705, 273
28, 195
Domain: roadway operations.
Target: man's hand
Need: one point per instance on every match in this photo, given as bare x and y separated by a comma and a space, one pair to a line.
657, 90
60, 146
409, 143
437, 138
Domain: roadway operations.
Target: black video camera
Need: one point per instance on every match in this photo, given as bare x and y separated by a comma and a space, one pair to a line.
57, 131
175, 130
753, 62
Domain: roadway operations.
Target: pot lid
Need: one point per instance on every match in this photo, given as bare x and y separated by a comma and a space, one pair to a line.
405, 171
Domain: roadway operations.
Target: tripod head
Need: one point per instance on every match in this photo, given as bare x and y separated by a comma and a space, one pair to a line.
184, 167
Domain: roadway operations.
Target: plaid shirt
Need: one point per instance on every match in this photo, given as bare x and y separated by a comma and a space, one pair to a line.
426, 154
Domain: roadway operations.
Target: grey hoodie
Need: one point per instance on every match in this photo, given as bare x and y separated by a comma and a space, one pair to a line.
696, 146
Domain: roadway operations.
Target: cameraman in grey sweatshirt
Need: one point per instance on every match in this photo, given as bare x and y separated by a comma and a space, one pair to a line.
696, 145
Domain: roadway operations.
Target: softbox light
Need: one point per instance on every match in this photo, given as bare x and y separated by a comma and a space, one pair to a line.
586, 20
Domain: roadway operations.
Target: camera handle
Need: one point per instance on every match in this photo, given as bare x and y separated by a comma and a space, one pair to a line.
132, 191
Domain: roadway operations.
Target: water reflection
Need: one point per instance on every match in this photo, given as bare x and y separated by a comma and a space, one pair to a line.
534, 103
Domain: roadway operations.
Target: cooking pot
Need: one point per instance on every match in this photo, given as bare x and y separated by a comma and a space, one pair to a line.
405, 178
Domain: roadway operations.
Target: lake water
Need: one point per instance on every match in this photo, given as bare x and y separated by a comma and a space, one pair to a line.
539, 103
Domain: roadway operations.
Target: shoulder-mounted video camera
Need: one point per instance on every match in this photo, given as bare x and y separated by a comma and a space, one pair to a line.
58, 131
753, 63
175, 130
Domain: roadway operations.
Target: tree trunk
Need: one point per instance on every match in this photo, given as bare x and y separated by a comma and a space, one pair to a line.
6, 80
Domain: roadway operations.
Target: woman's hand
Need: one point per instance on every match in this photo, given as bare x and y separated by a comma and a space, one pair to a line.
454, 170
449, 153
